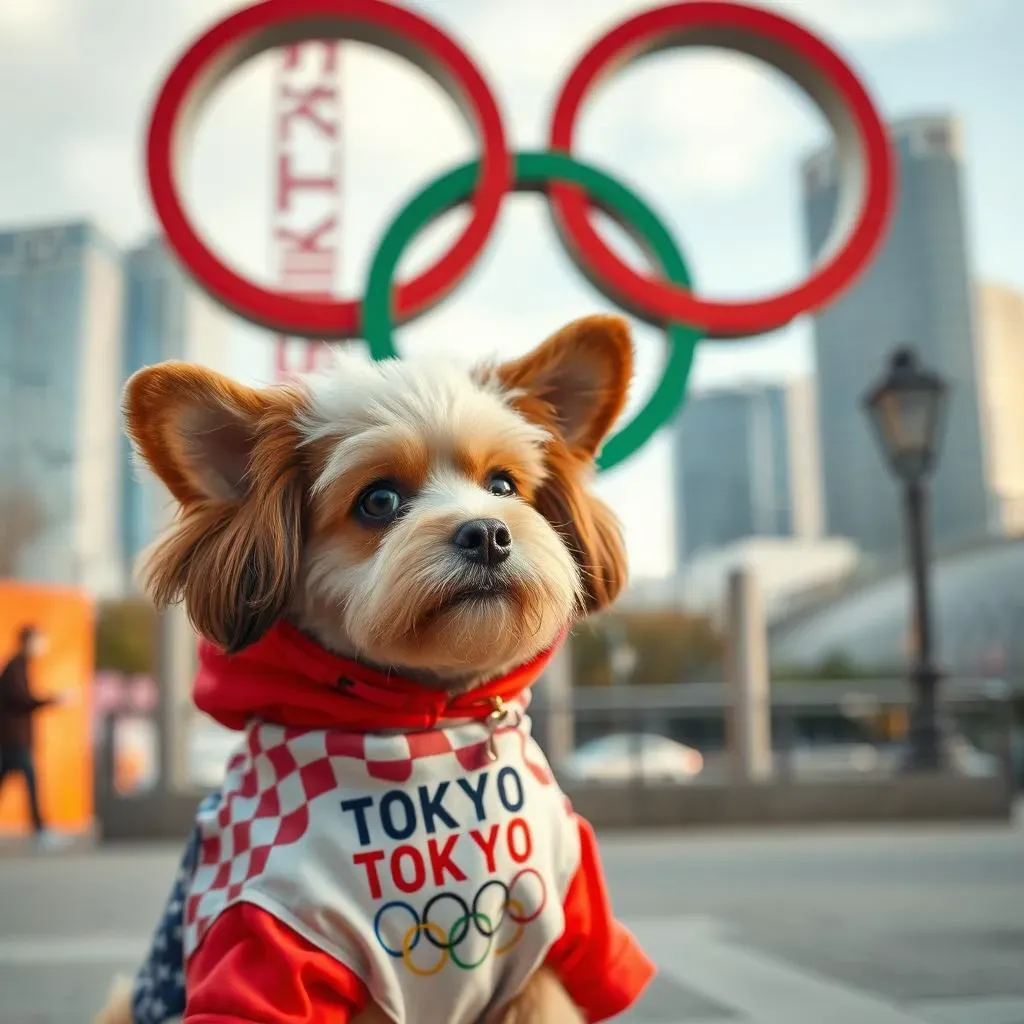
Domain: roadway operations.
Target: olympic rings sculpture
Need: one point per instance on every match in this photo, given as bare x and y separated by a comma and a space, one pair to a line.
865, 192
471, 919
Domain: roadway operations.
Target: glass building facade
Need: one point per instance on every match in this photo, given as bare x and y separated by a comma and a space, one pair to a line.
917, 292
60, 336
739, 470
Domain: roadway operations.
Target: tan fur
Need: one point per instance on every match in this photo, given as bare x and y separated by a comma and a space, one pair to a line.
543, 1001
234, 554
541, 381
269, 482
118, 1009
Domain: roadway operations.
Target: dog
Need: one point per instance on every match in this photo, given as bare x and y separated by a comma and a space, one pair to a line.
379, 561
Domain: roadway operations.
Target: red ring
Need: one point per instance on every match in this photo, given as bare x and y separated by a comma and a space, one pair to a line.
543, 897
803, 57
277, 23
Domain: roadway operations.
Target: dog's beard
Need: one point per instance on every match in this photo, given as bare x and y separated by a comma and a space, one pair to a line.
417, 604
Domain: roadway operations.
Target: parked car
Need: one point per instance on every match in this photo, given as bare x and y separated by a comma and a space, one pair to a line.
622, 756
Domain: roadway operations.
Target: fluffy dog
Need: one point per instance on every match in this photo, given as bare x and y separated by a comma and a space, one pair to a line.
380, 560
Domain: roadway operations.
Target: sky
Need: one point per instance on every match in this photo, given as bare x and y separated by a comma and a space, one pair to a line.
711, 140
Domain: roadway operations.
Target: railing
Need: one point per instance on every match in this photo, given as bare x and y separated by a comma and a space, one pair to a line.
828, 730
824, 735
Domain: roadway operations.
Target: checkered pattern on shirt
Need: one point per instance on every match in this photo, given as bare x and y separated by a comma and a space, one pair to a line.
270, 782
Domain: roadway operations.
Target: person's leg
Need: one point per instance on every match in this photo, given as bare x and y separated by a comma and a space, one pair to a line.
28, 769
20, 761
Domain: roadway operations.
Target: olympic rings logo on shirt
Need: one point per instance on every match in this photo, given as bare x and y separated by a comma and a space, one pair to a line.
865, 189
480, 920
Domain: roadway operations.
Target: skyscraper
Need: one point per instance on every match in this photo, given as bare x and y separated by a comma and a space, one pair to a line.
60, 345
166, 317
917, 292
745, 465
1001, 366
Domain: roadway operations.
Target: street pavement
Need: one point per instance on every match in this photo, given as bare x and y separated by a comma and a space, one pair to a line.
820, 927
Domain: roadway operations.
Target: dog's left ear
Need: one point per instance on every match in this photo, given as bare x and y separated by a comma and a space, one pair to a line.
577, 381
229, 455
575, 385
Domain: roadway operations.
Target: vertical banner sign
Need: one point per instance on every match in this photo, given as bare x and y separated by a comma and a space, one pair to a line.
304, 223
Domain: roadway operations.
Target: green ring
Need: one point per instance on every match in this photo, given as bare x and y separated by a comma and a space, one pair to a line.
533, 172
465, 919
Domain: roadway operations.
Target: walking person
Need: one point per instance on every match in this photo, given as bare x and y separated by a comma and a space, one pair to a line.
18, 708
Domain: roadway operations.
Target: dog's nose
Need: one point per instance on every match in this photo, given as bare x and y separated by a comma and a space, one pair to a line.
484, 541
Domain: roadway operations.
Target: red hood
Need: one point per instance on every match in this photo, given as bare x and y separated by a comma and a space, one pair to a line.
289, 679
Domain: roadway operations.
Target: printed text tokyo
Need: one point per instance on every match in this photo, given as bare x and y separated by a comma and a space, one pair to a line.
437, 810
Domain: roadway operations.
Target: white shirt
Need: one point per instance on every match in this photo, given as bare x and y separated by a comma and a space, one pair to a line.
434, 874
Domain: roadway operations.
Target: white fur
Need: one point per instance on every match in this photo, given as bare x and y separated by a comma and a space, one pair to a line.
363, 403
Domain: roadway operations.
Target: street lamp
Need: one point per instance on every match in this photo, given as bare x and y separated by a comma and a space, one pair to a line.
907, 409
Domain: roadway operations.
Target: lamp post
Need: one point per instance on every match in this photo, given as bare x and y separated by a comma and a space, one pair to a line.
907, 410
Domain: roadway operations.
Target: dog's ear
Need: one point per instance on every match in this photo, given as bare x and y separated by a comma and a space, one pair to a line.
229, 456
575, 385
577, 381
587, 526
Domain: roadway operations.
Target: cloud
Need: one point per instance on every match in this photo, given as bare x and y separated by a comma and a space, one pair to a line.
710, 124
93, 100
709, 121
101, 173
875, 21
30, 22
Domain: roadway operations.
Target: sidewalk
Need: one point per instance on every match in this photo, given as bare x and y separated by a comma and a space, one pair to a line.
879, 926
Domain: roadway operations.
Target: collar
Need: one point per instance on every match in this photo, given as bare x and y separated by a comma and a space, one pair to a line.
289, 679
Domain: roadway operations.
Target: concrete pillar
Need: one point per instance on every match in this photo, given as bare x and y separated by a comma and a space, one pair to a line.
176, 671
749, 724
551, 708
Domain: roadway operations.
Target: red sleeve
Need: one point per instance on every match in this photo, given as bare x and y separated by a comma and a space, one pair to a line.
599, 961
251, 968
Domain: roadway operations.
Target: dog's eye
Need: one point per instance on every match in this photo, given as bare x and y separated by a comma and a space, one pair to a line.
380, 503
501, 484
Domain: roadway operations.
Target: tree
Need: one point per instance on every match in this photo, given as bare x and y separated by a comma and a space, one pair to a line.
126, 637
835, 666
671, 647
22, 520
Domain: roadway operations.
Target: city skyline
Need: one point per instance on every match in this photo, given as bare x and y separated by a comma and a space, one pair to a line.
166, 316
722, 173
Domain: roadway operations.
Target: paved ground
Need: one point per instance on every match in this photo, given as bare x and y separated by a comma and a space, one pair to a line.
841, 927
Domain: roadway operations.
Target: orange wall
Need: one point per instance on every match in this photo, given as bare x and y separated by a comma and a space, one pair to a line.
63, 750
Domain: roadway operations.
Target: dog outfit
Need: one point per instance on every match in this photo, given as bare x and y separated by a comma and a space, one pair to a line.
361, 849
